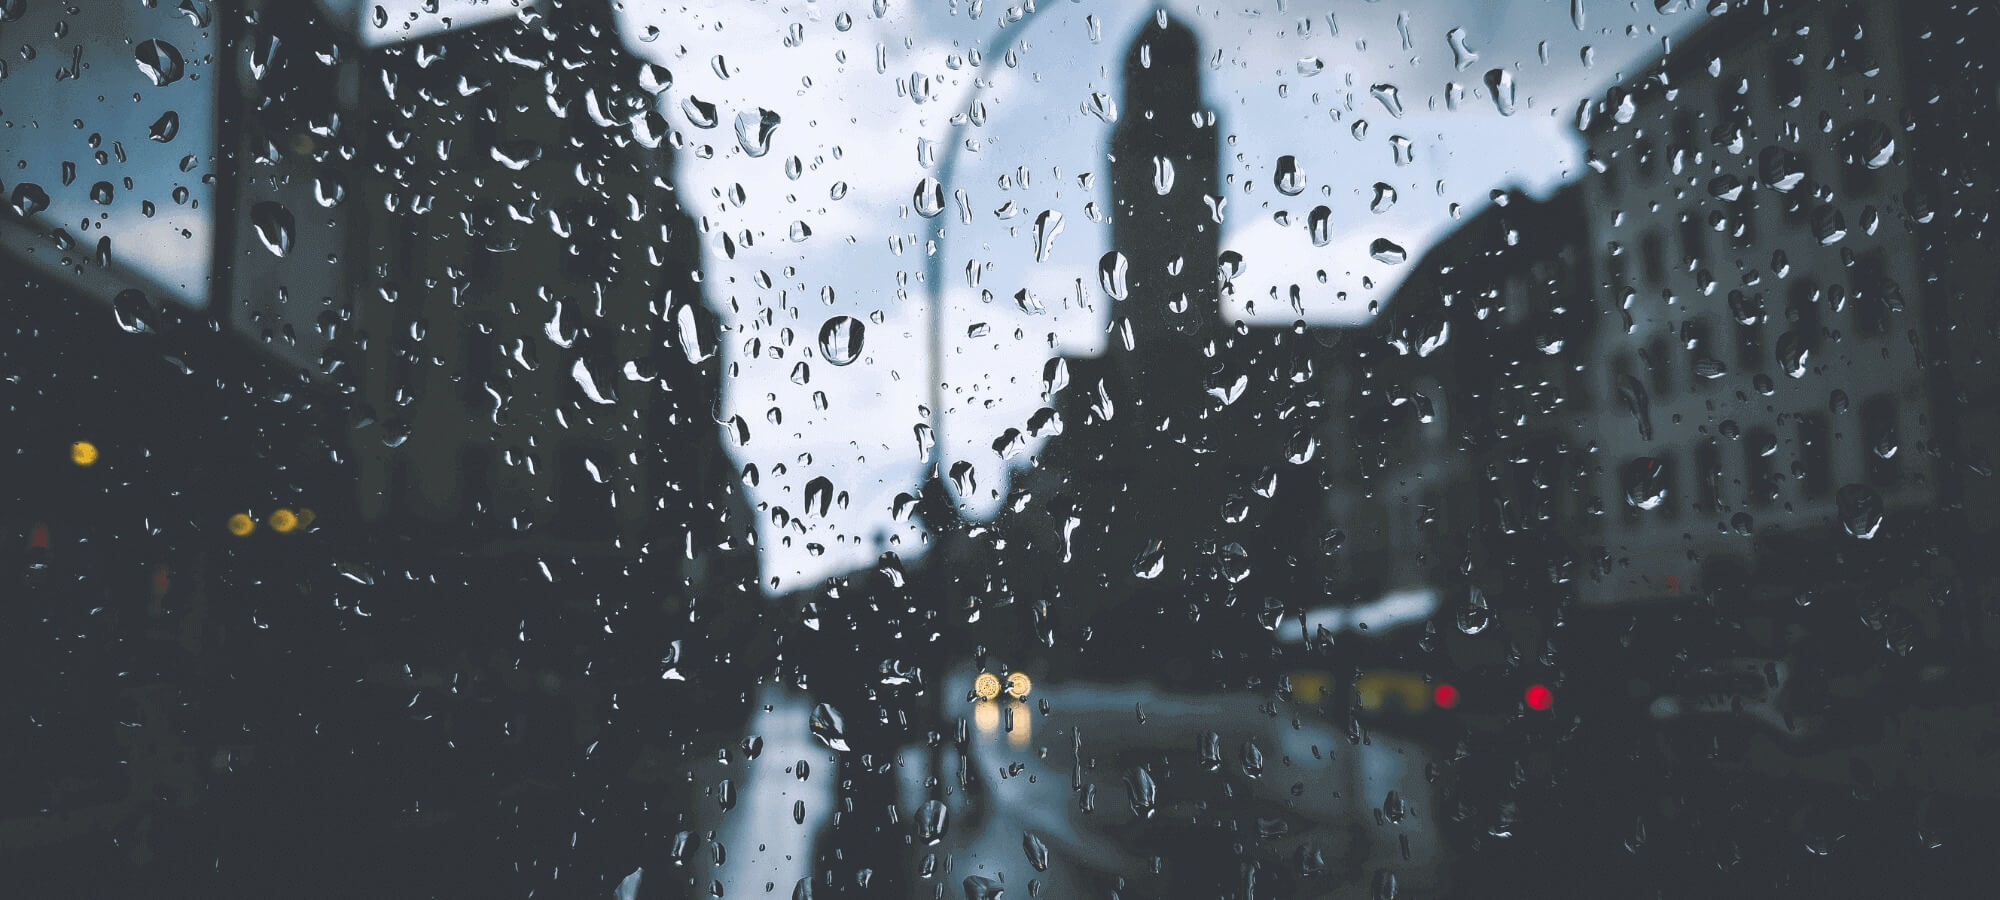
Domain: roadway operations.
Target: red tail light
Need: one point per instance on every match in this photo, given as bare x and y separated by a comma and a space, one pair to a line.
1445, 696
1539, 698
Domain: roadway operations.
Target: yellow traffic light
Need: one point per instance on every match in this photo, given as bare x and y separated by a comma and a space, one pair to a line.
1018, 685
986, 686
242, 525
83, 453
284, 521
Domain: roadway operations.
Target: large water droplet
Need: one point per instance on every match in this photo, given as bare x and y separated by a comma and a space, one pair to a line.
1036, 851
754, 130
165, 127
1392, 99
1289, 178
830, 727
1385, 198
840, 340
28, 199
1647, 480
1461, 56
273, 224
1500, 83
928, 198
1860, 511
1319, 224
699, 112
159, 61
1047, 226
329, 188
1387, 251
932, 821
1143, 791
1163, 175
133, 310
1111, 273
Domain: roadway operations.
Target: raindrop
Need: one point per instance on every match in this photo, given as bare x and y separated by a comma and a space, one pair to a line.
28, 199
1792, 353
1476, 615
1151, 561
1037, 851
165, 127
1142, 791
1647, 480
273, 224
159, 61
1461, 56
929, 197
1290, 180
1387, 252
840, 340
1163, 175
830, 727
1319, 224
699, 112
1311, 65
754, 130
932, 821
133, 310
1047, 226
1111, 273
1860, 511
101, 193
329, 188
1385, 198
1392, 99
1500, 82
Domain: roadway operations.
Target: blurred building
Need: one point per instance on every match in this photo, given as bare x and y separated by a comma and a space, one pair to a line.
1179, 505
1727, 340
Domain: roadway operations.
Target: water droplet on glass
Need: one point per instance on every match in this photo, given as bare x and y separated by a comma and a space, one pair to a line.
928, 198
329, 188
133, 310
1319, 224
159, 61
1143, 792
1385, 198
830, 727
1288, 177
932, 821
1047, 226
699, 112
1461, 56
28, 199
754, 130
273, 224
1111, 272
165, 127
1151, 561
1647, 480
1500, 83
1036, 851
1387, 252
840, 340
1391, 97
1163, 175
1860, 511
